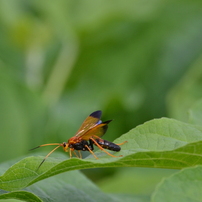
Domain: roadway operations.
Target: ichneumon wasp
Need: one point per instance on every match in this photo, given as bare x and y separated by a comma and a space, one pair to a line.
86, 138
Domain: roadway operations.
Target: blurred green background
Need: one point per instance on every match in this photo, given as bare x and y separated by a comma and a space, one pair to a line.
61, 60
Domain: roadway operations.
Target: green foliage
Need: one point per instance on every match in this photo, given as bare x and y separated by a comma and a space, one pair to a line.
78, 188
185, 185
137, 61
161, 143
186, 94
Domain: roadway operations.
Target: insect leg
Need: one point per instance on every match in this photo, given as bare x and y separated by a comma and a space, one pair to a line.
80, 156
94, 141
91, 151
70, 153
122, 143
91, 144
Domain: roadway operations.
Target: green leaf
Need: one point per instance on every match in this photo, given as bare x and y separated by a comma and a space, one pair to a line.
20, 195
185, 186
163, 143
71, 186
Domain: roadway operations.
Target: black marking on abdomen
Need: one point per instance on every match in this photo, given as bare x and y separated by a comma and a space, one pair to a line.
108, 145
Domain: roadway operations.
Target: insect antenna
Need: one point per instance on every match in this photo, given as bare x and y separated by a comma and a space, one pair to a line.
45, 145
59, 145
48, 156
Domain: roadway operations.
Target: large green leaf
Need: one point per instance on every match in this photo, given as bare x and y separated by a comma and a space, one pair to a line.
71, 186
185, 186
163, 143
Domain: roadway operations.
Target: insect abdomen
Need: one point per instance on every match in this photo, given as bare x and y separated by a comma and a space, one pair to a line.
108, 145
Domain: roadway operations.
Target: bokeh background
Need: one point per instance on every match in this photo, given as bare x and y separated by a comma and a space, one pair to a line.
135, 60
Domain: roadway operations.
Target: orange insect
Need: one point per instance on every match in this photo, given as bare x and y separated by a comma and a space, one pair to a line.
88, 135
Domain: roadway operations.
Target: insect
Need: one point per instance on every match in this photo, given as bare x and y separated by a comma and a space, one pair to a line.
86, 138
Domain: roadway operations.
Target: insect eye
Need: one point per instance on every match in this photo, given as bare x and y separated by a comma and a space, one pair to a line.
64, 144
